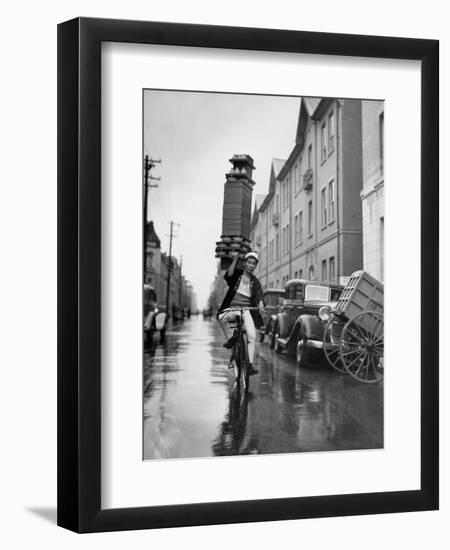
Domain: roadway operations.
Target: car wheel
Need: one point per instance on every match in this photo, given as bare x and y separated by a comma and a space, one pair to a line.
273, 338
301, 355
278, 347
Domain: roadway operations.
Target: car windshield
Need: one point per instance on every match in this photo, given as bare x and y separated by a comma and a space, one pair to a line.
271, 299
335, 293
313, 292
295, 292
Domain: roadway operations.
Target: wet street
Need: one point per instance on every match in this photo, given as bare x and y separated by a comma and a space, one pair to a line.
193, 408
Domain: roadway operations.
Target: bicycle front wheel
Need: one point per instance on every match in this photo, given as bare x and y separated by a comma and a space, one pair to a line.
244, 363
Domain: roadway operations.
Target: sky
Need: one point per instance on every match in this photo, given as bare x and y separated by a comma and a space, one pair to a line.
194, 134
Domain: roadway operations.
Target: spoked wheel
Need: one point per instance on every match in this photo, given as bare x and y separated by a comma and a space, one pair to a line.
362, 347
244, 378
332, 336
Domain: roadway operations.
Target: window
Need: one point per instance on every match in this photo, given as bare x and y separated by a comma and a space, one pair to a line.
288, 190
296, 275
283, 241
285, 194
277, 247
296, 179
309, 218
381, 137
331, 201
300, 177
324, 270
300, 274
288, 238
324, 206
332, 271
311, 273
330, 132
323, 146
296, 230
309, 156
300, 227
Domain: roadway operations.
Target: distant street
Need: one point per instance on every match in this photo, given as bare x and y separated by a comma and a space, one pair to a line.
192, 407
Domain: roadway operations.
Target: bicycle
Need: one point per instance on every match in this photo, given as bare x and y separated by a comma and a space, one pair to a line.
239, 359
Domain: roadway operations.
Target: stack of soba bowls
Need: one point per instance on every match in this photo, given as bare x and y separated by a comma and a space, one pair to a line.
236, 211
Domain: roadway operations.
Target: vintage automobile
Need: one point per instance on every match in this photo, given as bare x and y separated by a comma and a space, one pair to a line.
273, 299
155, 318
299, 326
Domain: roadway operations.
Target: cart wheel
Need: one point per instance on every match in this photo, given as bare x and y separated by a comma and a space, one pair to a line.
362, 347
331, 341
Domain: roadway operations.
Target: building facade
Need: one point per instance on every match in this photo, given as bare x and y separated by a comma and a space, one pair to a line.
310, 223
181, 293
264, 230
152, 257
372, 194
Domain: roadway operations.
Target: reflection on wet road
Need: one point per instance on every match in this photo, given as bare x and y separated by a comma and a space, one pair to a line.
192, 407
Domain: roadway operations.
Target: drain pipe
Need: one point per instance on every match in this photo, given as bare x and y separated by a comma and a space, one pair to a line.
338, 151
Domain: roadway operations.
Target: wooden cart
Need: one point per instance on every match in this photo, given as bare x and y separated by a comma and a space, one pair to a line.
353, 339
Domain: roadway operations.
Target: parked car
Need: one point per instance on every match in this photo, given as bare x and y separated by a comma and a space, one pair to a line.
273, 299
155, 318
301, 321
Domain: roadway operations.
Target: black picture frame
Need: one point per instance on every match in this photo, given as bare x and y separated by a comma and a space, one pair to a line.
79, 274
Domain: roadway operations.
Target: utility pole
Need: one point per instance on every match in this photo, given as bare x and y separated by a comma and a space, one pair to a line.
149, 163
169, 269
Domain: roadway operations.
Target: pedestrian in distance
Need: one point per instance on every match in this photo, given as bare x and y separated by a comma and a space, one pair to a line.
244, 290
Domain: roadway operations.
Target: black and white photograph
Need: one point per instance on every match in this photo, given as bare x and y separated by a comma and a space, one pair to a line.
195, 208
263, 285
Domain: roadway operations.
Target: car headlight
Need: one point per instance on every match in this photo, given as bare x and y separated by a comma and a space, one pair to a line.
325, 313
